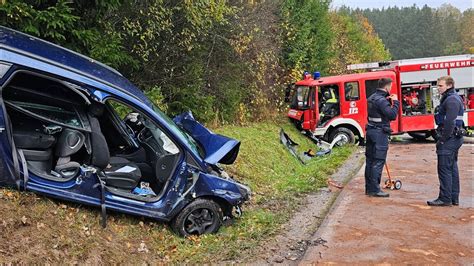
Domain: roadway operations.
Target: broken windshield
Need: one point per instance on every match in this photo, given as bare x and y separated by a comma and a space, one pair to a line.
183, 135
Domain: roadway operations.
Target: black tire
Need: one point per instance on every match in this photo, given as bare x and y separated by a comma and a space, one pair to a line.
201, 216
347, 134
398, 185
299, 123
419, 135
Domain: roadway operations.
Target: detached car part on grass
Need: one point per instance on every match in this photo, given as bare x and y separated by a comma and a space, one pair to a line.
304, 157
75, 129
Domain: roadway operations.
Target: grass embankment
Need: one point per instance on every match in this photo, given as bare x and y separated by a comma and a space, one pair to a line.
35, 229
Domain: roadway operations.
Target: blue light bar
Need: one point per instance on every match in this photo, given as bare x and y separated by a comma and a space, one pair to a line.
305, 73
316, 75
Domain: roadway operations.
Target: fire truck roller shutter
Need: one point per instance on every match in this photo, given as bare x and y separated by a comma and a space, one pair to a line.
422, 76
463, 77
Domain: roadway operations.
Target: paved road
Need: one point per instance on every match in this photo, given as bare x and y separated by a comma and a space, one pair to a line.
401, 229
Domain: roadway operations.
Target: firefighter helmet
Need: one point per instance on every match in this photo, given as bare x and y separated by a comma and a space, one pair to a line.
327, 95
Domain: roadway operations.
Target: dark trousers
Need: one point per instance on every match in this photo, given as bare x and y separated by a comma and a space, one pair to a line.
448, 172
375, 155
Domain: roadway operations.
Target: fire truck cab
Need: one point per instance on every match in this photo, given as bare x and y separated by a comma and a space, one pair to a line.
328, 107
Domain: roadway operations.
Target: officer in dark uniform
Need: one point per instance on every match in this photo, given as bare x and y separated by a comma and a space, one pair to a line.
449, 119
382, 108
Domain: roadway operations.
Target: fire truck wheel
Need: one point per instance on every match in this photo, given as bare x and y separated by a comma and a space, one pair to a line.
347, 136
419, 135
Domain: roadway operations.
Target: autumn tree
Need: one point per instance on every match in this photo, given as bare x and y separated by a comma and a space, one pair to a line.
307, 36
413, 32
355, 42
467, 31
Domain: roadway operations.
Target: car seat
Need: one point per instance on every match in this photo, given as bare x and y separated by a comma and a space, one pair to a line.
70, 141
36, 147
117, 171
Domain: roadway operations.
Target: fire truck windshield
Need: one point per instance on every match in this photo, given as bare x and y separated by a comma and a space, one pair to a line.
300, 98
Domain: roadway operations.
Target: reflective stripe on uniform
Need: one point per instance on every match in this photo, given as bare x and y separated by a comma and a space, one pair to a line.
375, 119
460, 117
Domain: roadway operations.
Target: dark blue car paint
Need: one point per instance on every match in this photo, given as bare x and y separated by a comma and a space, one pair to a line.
54, 55
31, 54
218, 148
209, 185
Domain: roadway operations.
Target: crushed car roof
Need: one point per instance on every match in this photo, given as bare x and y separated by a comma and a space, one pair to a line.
44, 51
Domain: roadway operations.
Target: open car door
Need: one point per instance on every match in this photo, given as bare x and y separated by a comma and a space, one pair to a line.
9, 170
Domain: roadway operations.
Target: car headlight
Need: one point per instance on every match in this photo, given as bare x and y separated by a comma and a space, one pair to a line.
245, 191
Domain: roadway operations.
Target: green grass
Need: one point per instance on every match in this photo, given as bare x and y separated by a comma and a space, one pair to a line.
270, 170
71, 233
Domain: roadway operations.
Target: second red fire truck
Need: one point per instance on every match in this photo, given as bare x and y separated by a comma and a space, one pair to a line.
328, 107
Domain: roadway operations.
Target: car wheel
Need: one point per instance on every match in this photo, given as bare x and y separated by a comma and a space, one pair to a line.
201, 216
347, 136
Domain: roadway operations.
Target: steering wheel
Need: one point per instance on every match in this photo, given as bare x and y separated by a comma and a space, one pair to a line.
141, 136
130, 130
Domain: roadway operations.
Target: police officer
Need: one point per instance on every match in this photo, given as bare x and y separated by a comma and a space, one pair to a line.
449, 119
382, 108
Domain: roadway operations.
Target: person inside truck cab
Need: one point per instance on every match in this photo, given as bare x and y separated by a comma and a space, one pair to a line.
329, 104
351, 92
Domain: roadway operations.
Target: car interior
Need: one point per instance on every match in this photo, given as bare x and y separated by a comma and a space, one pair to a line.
62, 130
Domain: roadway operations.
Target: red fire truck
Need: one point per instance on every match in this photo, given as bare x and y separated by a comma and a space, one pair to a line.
328, 107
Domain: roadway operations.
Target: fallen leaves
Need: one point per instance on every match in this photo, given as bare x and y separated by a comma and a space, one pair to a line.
40, 226
143, 248
334, 184
9, 195
24, 220
87, 231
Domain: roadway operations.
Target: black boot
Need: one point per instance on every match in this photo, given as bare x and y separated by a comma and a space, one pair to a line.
379, 194
438, 202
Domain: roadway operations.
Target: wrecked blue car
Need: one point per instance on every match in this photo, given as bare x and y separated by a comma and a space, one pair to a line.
74, 129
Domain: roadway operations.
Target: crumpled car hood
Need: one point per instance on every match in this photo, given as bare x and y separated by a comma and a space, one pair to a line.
218, 148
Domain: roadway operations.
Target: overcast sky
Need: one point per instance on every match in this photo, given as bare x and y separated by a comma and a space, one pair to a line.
460, 4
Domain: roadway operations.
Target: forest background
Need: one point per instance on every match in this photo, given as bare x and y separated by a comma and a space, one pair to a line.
229, 60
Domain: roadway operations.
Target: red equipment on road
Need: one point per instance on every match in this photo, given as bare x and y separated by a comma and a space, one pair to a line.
328, 107
390, 183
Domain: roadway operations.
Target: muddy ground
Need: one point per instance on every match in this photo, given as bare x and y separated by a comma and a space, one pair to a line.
401, 229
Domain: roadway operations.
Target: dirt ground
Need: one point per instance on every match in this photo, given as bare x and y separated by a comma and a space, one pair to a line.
401, 229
